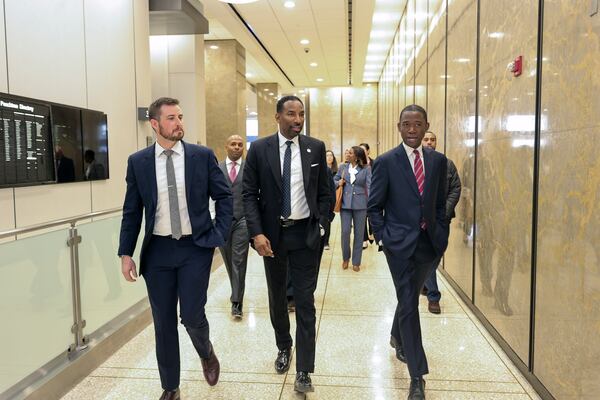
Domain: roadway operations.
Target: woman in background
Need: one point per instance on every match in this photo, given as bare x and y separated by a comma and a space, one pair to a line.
332, 167
355, 177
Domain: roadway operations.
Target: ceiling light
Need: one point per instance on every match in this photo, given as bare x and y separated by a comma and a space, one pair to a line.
214, 47
463, 60
304, 41
373, 57
319, 79
302, 91
248, 75
289, 4
377, 46
381, 34
271, 94
445, 76
385, 17
238, 1
314, 64
266, 90
496, 35
373, 66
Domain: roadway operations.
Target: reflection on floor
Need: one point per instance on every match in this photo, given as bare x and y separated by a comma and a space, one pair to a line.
354, 359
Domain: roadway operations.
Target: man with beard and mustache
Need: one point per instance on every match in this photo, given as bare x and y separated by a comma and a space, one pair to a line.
286, 200
170, 183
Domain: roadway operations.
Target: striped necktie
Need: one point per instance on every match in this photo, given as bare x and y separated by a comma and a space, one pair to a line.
420, 177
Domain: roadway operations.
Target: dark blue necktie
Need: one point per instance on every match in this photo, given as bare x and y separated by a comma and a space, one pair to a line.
286, 184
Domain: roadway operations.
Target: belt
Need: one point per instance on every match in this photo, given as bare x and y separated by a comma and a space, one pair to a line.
171, 237
286, 223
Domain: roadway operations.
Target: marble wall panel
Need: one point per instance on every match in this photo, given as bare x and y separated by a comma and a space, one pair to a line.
326, 118
505, 169
567, 318
436, 65
266, 108
460, 135
359, 117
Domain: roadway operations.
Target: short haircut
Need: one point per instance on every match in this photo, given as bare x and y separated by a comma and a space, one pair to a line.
154, 109
414, 108
284, 100
365, 145
434, 135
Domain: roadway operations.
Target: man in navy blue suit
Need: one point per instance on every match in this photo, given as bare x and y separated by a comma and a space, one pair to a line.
407, 208
170, 183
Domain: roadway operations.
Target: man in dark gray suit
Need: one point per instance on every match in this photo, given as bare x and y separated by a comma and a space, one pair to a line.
235, 251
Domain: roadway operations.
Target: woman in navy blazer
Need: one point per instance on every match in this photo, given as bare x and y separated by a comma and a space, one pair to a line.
355, 176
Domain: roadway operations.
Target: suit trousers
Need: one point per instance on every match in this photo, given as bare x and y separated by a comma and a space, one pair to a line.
409, 277
359, 217
433, 292
177, 270
235, 257
293, 254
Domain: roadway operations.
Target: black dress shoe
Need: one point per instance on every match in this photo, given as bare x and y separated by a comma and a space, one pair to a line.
399, 349
417, 389
236, 310
283, 360
211, 368
303, 384
170, 395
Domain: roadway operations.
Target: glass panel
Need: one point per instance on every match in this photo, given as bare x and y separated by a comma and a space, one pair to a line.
35, 304
104, 292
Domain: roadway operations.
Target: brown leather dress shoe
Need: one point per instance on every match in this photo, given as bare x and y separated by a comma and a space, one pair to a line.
345, 264
356, 268
211, 368
170, 395
434, 307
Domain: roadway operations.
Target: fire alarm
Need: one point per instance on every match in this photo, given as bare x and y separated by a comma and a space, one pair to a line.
516, 67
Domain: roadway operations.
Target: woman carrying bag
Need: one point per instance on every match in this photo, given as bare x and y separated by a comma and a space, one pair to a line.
355, 179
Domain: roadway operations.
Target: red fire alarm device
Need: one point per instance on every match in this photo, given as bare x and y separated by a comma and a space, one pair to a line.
516, 67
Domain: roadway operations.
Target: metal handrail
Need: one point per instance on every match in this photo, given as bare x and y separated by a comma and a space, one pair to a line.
63, 221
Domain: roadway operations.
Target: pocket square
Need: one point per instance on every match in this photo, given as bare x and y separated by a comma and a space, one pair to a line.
314, 165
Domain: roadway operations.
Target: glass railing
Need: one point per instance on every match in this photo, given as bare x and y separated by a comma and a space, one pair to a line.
57, 288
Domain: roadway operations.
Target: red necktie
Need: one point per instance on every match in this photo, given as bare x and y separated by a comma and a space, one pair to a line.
232, 172
420, 177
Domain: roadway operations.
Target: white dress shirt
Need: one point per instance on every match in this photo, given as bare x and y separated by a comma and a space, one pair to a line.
229, 165
162, 218
300, 208
411, 156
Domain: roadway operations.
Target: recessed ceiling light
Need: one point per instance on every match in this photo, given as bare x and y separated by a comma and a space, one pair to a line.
271, 94
214, 46
496, 35
266, 90
304, 41
238, 1
463, 60
289, 4
319, 79
248, 75
314, 64
445, 76
301, 91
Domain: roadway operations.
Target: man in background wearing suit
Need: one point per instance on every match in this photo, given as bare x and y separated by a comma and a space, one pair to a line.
407, 207
452, 196
287, 199
170, 183
235, 251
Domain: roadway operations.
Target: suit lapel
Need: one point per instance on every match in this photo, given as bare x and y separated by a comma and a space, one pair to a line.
406, 169
428, 162
189, 169
273, 158
150, 166
305, 156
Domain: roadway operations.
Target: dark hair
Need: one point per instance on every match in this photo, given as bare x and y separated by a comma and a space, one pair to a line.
361, 156
154, 109
334, 164
415, 108
365, 145
284, 100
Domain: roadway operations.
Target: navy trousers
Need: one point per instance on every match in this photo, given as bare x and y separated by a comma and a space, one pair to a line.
409, 277
177, 270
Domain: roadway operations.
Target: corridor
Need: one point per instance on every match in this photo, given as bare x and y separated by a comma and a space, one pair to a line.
354, 359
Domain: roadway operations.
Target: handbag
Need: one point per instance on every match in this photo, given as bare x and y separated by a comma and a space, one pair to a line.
339, 194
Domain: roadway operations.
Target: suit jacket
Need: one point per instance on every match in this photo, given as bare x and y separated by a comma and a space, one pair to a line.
396, 207
203, 179
236, 189
262, 188
355, 195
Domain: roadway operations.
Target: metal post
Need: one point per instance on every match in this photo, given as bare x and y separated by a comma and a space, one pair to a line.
78, 323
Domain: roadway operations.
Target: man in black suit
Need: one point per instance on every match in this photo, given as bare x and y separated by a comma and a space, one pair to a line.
407, 207
65, 168
286, 199
170, 183
235, 251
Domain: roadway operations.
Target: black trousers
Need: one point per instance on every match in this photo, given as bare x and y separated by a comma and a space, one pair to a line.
293, 254
177, 270
409, 277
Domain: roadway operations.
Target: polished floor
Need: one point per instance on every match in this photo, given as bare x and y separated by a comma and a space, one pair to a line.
354, 359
